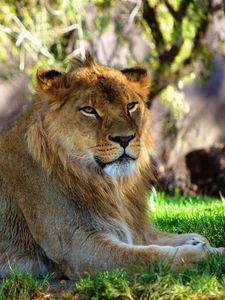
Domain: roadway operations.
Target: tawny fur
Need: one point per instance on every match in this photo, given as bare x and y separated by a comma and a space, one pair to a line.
58, 209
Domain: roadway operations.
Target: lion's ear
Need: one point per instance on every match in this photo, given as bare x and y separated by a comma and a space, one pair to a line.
139, 79
50, 81
54, 85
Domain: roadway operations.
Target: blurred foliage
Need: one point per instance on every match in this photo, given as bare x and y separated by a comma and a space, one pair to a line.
42, 32
50, 33
177, 32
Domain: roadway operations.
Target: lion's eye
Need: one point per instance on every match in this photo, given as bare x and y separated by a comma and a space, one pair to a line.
132, 106
88, 110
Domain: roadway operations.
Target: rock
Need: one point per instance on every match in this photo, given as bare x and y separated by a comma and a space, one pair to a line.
199, 172
207, 169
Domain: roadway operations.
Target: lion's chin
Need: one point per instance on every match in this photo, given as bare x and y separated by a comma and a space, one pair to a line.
120, 169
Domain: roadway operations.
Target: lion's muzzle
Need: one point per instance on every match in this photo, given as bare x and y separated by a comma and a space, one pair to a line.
122, 166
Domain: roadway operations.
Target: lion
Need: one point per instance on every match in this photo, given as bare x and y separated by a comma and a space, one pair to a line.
74, 173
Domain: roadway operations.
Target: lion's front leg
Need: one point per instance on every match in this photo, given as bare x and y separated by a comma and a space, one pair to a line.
100, 252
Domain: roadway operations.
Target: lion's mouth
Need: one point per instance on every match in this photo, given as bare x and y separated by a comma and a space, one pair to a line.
124, 158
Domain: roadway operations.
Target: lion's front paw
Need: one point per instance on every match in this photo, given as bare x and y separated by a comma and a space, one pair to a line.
195, 239
189, 255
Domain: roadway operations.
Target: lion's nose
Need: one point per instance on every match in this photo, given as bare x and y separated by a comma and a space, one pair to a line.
122, 140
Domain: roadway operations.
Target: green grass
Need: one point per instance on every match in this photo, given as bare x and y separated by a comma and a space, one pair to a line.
187, 214
157, 282
174, 214
23, 287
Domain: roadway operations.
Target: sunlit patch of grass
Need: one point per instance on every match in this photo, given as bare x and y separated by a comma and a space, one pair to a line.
187, 214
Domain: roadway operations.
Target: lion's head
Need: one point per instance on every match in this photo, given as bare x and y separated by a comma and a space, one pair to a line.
96, 114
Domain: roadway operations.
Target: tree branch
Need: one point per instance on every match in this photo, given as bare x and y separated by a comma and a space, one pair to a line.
169, 55
171, 9
166, 58
201, 32
177, 14
149, 15
182, 10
